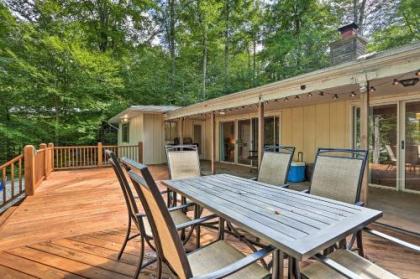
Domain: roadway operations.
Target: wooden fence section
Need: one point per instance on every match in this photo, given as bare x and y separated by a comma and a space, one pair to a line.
78, 157
11, 181
23, 174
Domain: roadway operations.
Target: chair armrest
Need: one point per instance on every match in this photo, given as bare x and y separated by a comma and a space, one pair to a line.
254, 178
360, 203
238, 265
336, 266
285, 186
182, 206
395, 240
305, 191
195, 222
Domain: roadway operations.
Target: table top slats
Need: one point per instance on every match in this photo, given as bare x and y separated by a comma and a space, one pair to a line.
299, 224
265, 206
272, 217
279, 201
245, 213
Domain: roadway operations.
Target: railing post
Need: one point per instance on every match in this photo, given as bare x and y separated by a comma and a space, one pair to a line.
100, 159
140, 158
43, 146
51, 152
29, 159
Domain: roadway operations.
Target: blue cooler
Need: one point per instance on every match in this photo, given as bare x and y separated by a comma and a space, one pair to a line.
296, 172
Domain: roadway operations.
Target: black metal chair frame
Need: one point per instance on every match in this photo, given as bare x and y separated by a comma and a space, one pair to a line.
134, 214
147, 181
356, 154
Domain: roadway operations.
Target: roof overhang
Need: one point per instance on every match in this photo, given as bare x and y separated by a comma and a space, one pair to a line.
136, 110
368, 67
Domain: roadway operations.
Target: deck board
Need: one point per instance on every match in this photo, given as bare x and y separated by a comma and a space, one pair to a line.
83, 240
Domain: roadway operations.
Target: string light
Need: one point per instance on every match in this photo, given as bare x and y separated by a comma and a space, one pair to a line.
353, 94
309, 94
335, 97
321, 93
395, 82
297, 97
286, 99
372, 89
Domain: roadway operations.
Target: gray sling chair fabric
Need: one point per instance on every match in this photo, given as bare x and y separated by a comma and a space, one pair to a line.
338, 175
183, 162
358, 265
136, 217
275, 164
216, 260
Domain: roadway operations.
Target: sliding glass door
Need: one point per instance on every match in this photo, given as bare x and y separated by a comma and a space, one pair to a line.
227, 141
383, 145
244, 142
411, 146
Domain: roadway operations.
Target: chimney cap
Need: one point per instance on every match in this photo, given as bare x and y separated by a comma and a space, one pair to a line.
348, 27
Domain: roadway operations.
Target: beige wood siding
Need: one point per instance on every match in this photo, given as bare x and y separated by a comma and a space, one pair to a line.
154, 139
314, 126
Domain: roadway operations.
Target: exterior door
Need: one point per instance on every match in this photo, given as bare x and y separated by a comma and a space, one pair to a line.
198, 138
244, 141
383, 146
227, 141
410, 146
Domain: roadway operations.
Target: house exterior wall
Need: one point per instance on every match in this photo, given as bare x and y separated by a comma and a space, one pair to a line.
135, 131
305, 127
154, 139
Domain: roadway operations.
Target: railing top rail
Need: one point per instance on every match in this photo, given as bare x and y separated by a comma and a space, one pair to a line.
75, 146
8, 163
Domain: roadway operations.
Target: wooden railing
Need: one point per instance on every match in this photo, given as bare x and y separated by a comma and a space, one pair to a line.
78, 157
23, 174
11, 181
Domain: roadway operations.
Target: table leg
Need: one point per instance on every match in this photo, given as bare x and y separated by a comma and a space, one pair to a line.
278, 268
221, 228
197, 228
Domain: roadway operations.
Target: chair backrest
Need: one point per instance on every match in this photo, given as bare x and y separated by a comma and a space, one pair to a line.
338, 174
275, 164
183, 161
125, 186
168, 243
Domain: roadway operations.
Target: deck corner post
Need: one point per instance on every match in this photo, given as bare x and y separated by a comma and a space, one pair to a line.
29, 169
51, 155
140, 150
260, 132
364, 134
100, 154
213, 142
43, 146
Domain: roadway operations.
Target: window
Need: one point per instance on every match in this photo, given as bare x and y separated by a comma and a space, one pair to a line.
125, 131
170, 131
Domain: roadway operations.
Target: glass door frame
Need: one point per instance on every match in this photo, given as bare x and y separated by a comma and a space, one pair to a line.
221, 140
400, 164
402, 137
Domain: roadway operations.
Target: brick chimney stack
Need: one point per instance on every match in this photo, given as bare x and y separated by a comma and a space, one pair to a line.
349, 47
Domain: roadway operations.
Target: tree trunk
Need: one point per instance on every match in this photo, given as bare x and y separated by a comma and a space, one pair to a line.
172, 40
205, 50
227, 38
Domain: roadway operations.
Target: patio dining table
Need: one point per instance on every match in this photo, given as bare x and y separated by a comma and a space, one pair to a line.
297, 224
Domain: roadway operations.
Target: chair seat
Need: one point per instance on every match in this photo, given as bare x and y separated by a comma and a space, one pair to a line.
219, 255
361, 266
178, 216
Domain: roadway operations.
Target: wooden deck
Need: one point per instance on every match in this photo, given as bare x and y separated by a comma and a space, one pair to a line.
74, 226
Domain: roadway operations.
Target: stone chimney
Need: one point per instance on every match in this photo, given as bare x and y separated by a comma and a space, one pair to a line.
349, 47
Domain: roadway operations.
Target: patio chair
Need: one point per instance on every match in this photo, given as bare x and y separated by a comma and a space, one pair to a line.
338, 175
139, 219
275, 164
216, 260
351, 265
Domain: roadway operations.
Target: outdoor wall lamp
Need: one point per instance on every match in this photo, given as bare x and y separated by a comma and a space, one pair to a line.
409, 82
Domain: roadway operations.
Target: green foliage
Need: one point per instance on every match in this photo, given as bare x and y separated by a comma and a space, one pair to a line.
67, 66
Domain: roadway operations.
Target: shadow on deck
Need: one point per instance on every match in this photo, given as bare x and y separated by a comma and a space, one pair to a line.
73, 228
